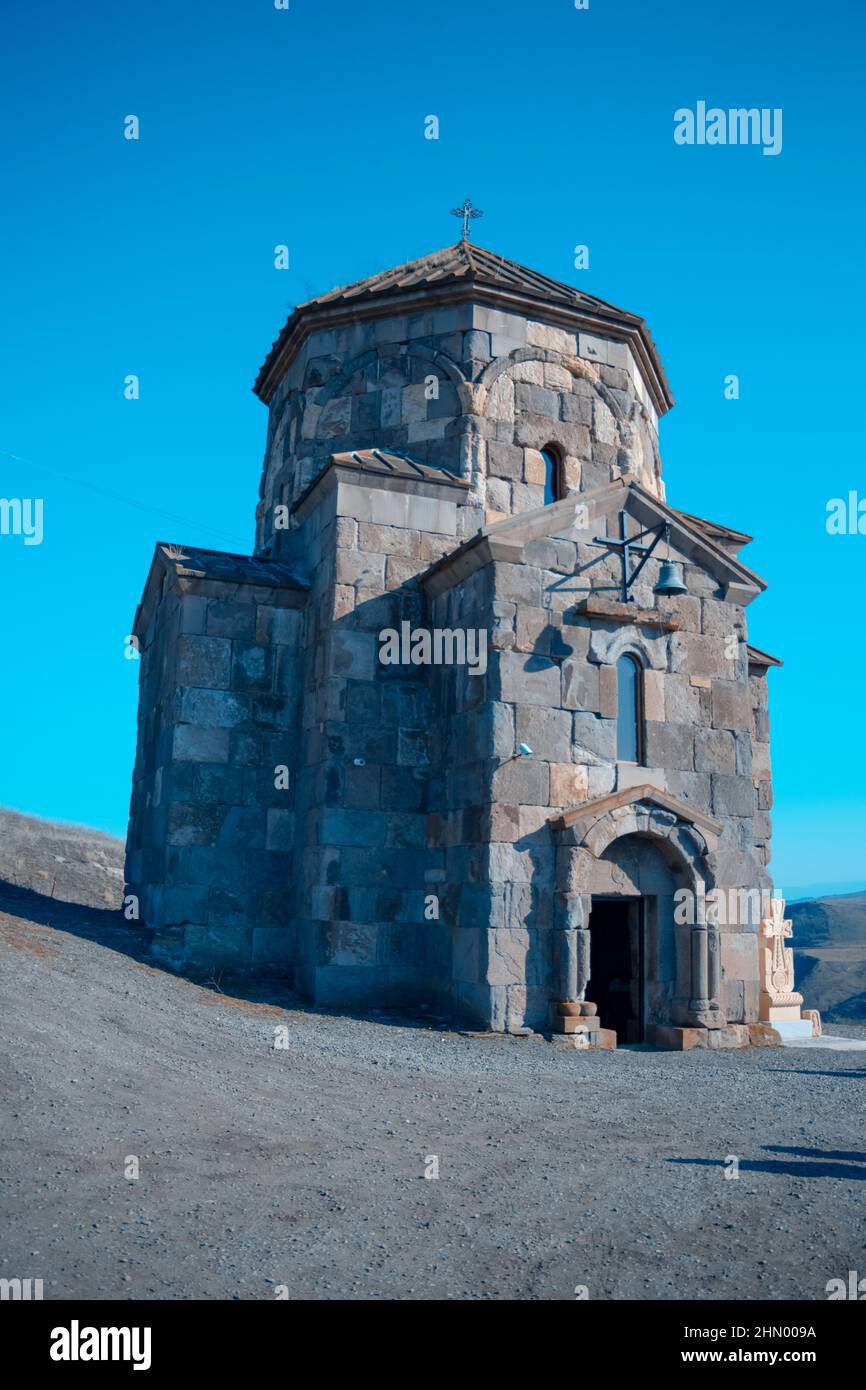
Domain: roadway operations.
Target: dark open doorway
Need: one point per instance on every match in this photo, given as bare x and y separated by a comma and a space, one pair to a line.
616, 965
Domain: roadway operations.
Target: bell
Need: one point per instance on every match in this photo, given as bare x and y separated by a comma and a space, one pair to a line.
670, 579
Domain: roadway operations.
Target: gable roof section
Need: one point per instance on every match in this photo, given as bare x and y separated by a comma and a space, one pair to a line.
504, 540
395, 465
465, 262
592, 810
460, 272
194, 562
725, 536
384, 463
762, 660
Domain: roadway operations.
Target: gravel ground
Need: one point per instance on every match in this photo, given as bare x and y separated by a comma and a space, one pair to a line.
302, 1168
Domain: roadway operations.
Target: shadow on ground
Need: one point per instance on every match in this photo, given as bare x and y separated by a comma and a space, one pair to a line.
109, 928
106, 926
849, 1156
854, 1074
827, 1163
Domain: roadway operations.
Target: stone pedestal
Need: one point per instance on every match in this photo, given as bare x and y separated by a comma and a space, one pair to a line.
793, 1028
578, 1020
780, 1004
603, 1040
724, 1038
728, 1036
589, 1026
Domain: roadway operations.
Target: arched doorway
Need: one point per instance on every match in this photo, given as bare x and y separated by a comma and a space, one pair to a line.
634, 954
617, 973
622, 862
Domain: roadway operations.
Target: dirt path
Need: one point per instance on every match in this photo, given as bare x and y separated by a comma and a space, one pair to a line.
304, 1167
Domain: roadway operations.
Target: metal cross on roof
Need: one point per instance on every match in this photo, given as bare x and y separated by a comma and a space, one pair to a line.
467, 211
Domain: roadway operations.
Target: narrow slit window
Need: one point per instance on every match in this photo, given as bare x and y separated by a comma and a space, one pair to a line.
552, 476
629, 711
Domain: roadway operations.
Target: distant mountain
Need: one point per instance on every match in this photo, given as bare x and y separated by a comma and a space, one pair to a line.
808, 891
63, 861
836, 921
830, 954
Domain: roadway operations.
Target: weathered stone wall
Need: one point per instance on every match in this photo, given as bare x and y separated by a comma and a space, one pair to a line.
146, 843
464, 738
363, 792
542, 386
390, 382
468, 388
404, 788
552, 684
210, 850
761, 772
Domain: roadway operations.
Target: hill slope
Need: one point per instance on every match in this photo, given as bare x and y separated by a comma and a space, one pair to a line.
68, 862
830, 954
303, 1166
74, 864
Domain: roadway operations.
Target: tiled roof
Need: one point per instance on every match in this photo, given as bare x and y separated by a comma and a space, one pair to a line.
451, 268
383, 463
716, 530
191, 562
396, 465
465, 262
759, 658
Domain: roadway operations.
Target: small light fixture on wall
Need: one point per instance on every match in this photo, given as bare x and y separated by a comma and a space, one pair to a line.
523, 751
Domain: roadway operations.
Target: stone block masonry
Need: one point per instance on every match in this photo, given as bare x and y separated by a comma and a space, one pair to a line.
210, 851
372, 829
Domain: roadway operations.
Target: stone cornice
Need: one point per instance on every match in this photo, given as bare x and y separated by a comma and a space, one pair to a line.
608, 611
591, 810
617, 324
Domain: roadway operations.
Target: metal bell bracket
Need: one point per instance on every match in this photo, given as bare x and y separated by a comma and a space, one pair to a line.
626, 545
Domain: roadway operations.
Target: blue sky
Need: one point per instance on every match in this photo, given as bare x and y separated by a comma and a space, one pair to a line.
306, 127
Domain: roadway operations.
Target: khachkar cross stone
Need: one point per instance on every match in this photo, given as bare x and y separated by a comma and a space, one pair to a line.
779, 999
467, 212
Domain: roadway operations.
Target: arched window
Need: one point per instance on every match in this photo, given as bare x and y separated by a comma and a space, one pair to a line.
629, 710
553, 489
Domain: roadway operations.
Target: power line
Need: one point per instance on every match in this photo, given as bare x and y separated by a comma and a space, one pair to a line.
127, 501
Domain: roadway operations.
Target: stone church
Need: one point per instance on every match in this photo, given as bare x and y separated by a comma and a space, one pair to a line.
477, 729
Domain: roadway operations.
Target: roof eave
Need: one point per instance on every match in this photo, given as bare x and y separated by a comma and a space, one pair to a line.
741, 584
761, 659
739, 538
617, 323
346, 467
168, 562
